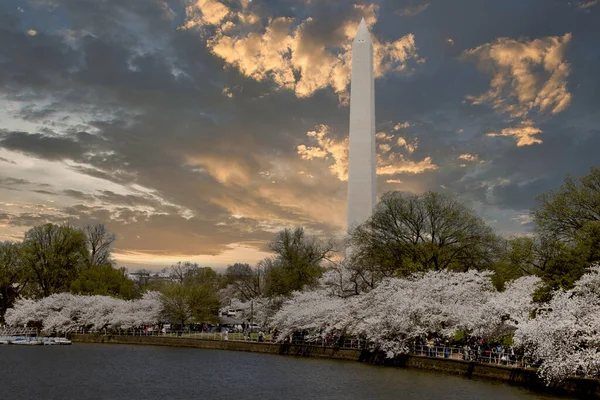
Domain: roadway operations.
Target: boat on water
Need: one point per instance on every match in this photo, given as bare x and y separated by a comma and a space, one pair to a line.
34, 340
62, 341
26, 341
54, 341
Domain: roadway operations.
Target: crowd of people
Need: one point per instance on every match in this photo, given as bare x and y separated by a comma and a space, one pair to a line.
473, 349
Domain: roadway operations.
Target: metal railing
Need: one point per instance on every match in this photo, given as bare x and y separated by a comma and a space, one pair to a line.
16, 331
506, 357
237, 336
347, 343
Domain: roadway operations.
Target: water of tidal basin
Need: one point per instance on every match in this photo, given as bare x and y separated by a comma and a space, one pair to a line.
143, 372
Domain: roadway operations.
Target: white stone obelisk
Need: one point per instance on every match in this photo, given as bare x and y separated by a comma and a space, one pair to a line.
362, 161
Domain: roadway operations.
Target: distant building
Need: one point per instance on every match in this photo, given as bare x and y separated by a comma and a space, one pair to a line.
141, 275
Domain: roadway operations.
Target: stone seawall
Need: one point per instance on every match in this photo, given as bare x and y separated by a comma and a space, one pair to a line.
256, 347
585, 388
580, 387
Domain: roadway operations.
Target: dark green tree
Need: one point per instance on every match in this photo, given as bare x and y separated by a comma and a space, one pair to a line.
297, 262
567, 237
176, 302
204, 303
571, 211
408, 233
192, 295
55, 255
13, 275
104, 280
203, 284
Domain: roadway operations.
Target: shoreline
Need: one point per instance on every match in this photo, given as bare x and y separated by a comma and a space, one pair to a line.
580, 387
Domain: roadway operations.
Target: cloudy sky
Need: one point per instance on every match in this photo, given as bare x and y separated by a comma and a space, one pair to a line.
196, 129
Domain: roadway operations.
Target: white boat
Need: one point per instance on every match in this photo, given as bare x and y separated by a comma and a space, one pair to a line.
4, 342
62, 341
26, 341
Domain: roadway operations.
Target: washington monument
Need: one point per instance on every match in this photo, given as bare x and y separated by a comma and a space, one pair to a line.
361, 163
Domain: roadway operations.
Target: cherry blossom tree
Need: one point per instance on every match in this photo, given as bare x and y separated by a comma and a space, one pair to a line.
314, 312
437, 303
505, 311
396, 312
65, 312
260, 310
565, 334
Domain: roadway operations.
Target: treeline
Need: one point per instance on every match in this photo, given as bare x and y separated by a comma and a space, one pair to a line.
411, 233
54, 259
407, 234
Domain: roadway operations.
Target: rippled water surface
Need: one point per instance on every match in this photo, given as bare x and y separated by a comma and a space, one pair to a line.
87, 371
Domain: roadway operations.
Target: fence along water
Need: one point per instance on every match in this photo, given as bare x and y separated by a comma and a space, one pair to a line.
507, 357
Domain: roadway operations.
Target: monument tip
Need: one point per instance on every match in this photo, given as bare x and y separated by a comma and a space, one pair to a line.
362, 35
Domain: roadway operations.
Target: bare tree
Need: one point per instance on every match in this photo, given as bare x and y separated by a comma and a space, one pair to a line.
247, 282
99, 241
182, 270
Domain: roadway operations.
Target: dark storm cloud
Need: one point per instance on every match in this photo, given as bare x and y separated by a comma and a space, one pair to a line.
77, 194
162, 102
543, 168
32, 113
40, 191
435, 95
112, 17
81, 214
146, 83
13, 181
38, 61
327, 21
42, 146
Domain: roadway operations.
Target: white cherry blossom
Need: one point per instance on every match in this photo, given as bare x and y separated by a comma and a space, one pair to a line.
66, 313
